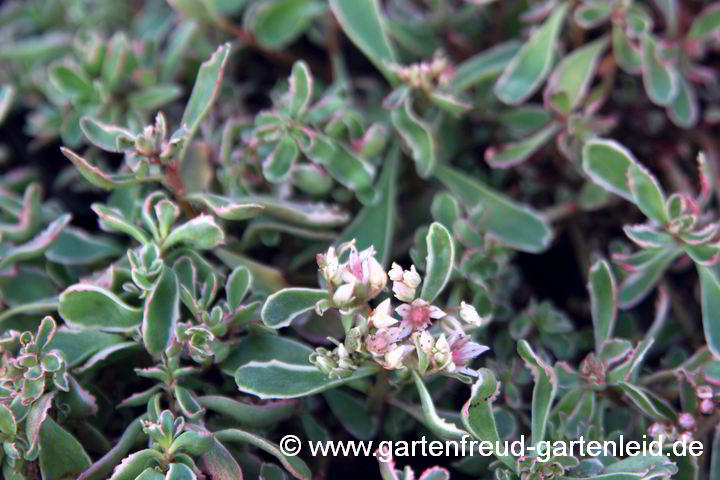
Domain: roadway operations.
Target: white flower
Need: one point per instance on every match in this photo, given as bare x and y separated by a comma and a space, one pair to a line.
404, 282
470, 315
395, 357
344, 295
329, 265
381, 317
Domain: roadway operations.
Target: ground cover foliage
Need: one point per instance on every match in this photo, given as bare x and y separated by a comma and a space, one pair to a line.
227, 221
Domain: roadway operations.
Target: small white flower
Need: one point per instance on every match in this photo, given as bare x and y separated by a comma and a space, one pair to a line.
395, 357
411, 278
395, 273
381, 317
403, 292
470, 315
344, 294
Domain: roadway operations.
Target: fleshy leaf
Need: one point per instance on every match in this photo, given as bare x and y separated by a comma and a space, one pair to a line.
301, 88
38, 245
608, 164
249, 414
277, 379
575, 72
61, 455
374, 225
477, 413
278, 164
512, 154
362, 22
227, 208
602, 301
277, 24
439, 426
546, 384
418, 136
294, 465
201, 232
706, 23
205, 89
352, 413
161, 312
516, 225
684, 111
88, 306
647, 194
484, 65
638, 284
531, 65
440, 261
282, 307
661, 80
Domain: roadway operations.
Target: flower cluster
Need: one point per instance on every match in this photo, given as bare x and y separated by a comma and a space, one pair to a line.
414, 334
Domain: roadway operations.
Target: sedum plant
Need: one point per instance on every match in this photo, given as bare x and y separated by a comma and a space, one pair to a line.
229, 223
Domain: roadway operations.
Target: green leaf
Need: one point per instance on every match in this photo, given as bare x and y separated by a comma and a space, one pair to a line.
227, 208
38, 245
161, 312
514, 153
205, 90
647, 194
660, 79
192, 442
546, 384
270, 471
89, 306
684, 111
96, 176
276, 167
278, 23
646, 236
294, 465
352, 413
603, 307
282, 307
79, 345
706, 23
102, 467
439, 426
277, 379
249, 414
374, 225
532, 63
237, 286
710, 303
301, 88
112, 220
418, 136
362, 22
177, 471
201, 232
477, 413
37, 49
61, 455
75, 247
608, 164
134, 465
103, 135
8, 426
264, 348
626, 55
36, 417
639, 283
643, 467
484, 65
266, 279
440, 261
115, 63
591, 15
575, 73
514, 224
649, 404
152, 98
341, 163
73, 83
219, 464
